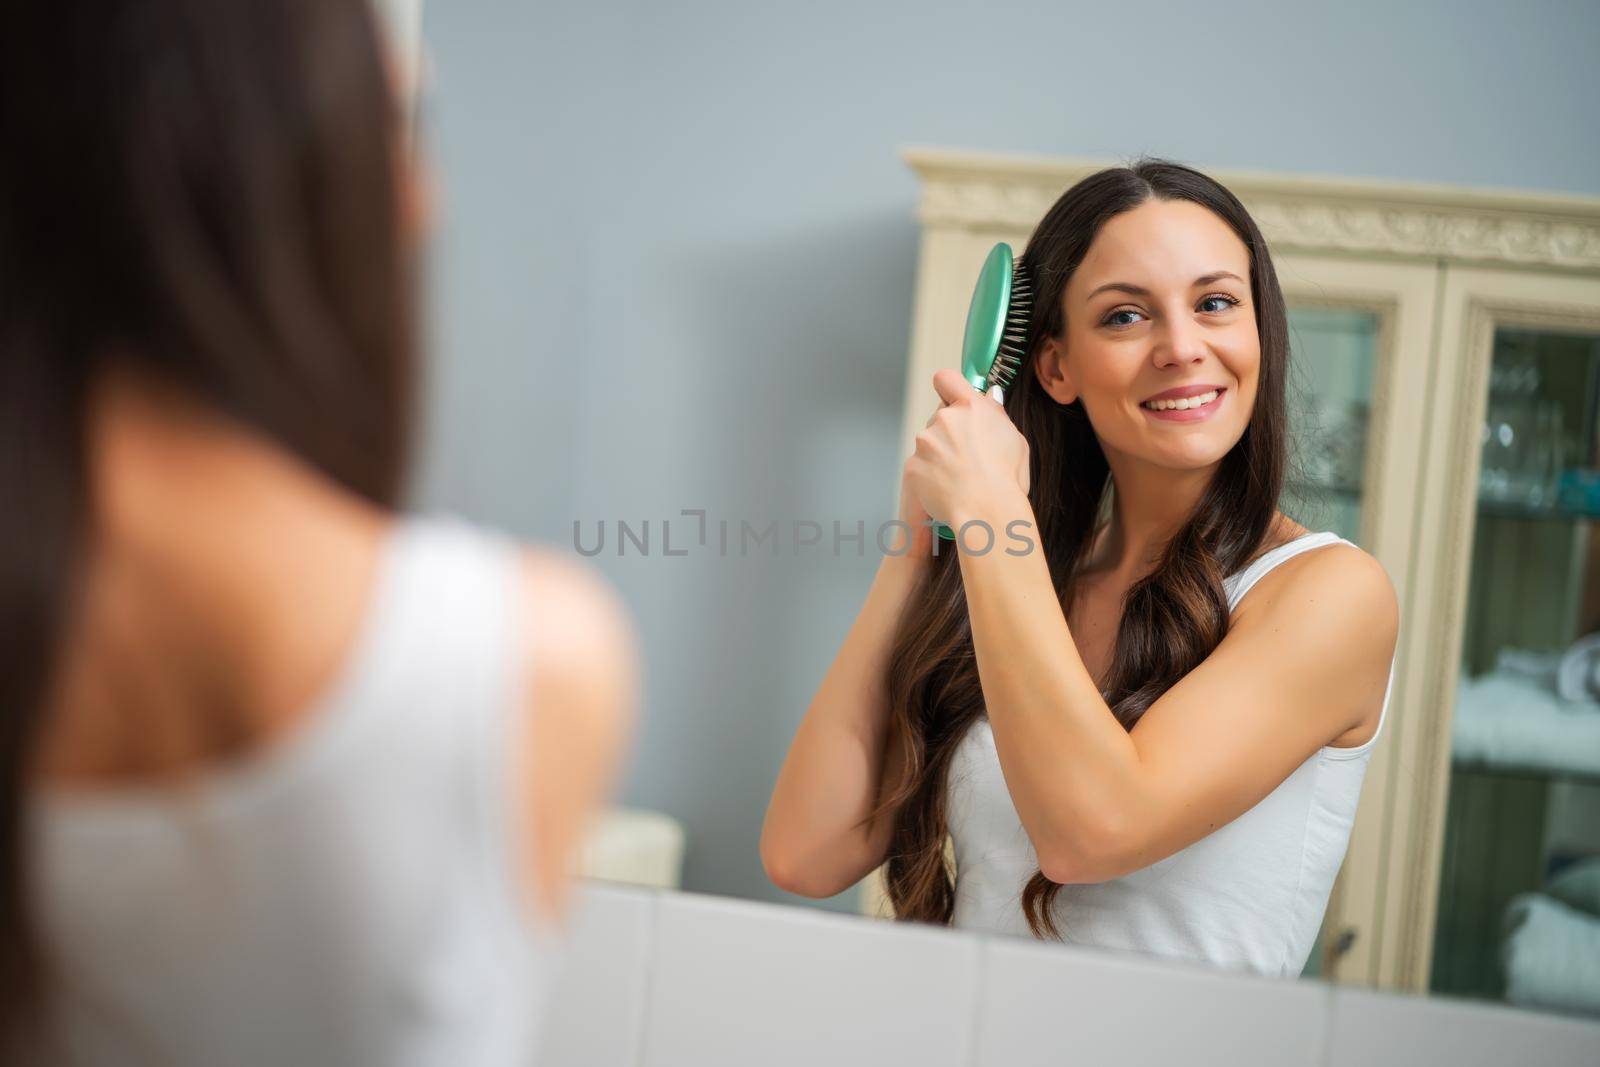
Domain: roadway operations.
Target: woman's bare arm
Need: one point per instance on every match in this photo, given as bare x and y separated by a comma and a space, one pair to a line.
842, 755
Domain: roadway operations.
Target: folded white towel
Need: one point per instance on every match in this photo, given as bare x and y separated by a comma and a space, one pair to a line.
1508, 719
1551, 955
1534, 665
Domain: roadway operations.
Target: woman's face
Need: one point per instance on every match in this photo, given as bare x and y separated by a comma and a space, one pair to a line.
1193, 323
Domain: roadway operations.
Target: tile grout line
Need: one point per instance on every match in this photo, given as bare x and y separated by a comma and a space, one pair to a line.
981, 986
1327, 1016
647, 986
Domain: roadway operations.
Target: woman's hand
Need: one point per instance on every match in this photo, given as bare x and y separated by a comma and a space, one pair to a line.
969, 451
916, 539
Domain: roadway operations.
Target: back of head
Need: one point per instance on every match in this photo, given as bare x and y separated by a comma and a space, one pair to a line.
204, 192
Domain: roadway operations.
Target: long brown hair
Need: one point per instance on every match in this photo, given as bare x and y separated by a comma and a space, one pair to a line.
1171, 619
207, 190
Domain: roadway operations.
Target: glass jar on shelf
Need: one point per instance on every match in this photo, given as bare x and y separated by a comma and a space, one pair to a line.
1521, 435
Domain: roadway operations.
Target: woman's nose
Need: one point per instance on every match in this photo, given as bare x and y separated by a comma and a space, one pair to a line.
1179, 338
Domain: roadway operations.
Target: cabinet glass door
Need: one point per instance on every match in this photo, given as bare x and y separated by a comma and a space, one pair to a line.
1330, 404
1518, 902
1334, 355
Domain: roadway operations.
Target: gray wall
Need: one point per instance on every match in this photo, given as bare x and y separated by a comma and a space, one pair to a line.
674, 266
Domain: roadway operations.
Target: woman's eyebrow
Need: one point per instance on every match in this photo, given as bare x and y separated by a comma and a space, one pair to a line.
1129, 287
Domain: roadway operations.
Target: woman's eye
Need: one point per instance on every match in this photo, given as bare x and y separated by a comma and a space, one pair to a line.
1227, 302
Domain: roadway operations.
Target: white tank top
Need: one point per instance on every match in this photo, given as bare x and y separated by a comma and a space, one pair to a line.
1250, 895
347, 897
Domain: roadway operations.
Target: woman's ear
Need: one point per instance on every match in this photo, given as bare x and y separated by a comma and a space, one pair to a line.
1051, 370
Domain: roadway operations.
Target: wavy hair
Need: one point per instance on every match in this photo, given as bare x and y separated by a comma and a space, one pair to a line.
1171, 619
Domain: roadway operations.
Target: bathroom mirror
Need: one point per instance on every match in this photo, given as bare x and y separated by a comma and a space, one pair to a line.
686, 319
1515, 384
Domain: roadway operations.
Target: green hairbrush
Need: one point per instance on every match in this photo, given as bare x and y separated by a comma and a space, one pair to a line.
997, 329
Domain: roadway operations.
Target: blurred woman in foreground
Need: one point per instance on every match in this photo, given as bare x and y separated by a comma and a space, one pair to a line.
289, 776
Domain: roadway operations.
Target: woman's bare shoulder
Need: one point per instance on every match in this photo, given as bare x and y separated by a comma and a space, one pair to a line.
581, 662
1339, 565
575, 611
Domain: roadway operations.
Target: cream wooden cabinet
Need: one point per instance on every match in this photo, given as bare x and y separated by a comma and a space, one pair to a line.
1401, 298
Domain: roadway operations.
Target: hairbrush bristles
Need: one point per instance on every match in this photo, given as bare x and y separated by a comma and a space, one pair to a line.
1014, 335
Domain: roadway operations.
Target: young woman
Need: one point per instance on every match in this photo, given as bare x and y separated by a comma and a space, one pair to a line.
287, 776
1144, 722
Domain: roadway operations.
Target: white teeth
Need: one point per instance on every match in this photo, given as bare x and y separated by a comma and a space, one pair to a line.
1184, 404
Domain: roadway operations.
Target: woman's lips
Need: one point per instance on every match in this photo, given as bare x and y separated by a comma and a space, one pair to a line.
1188, 414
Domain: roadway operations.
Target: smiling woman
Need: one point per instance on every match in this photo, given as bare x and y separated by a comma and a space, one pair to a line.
1114, 713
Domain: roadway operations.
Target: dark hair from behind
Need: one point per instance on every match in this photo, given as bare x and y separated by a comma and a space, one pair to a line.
204, 192
1172, 619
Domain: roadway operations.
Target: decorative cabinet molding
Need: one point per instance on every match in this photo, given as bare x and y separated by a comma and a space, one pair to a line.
1309, 214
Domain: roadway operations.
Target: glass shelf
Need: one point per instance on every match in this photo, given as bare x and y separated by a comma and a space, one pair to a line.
1510, 509
1542, 774
1340, 490
1502, 509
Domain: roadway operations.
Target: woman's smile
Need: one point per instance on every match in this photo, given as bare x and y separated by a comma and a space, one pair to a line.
1205, 411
